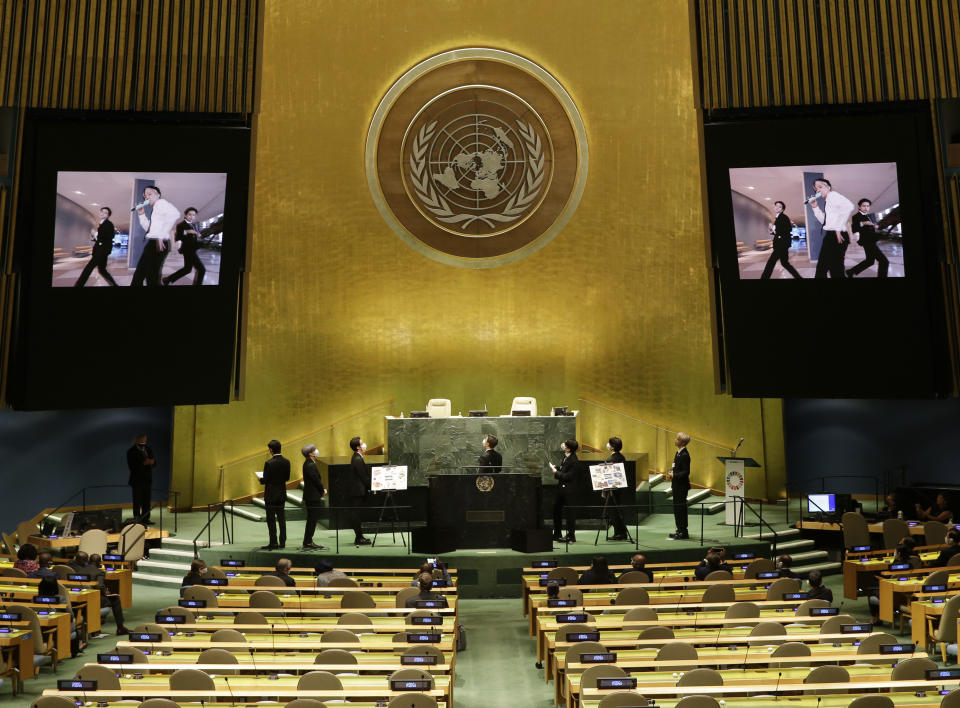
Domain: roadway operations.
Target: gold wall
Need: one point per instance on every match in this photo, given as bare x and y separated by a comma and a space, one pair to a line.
342, 315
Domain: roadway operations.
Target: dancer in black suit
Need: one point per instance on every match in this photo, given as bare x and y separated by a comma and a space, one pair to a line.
140, 462
359, 485
276, 474
781, 243
569, 476
313, 492
490, 459
615, 445
186, 233
679, 477
102, 246
864, 226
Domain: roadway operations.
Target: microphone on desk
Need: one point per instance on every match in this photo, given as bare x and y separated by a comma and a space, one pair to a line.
233, 701
253, 660
776, 688
746, 656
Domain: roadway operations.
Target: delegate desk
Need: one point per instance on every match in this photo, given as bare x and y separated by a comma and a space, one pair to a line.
84, 598
369, 697
118, 580
901, 699
874, 562
281, 625
56, 618
20, 643
296, 612
243, 579
891, 589
56, 543
290, 661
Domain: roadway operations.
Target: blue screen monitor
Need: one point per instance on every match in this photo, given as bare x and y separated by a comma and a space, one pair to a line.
821, 503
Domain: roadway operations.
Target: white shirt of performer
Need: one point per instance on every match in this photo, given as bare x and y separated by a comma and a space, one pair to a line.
838, 209
162, 221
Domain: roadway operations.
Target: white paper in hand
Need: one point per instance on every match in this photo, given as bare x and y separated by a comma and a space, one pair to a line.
259, 474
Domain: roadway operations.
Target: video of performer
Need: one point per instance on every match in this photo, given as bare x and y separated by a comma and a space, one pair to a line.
817, 221
139, 229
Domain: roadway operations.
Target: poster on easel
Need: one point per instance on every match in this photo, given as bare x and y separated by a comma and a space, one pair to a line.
608, 476
388, 478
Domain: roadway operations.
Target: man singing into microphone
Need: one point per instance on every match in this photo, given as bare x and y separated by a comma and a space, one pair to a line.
159, 228
835, 218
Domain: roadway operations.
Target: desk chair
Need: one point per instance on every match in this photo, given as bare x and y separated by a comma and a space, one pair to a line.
339, 636
765, 630
227, 635
779, 587
216, 655
742, 610
934, 532
269, 581
343, 583
877, 701
417, 613
439, 408
951, 700
588, 679
698, 702
399, 637
719, 593
12, 573
95, 541
188, 616
871, 644
104, 676
804, 609
133, 539
405, 594
574, 627
413, 700
895, 529
946, 631
719, 575
253, 618
795, 649
319, 681
199, 592
425, 650
635, 576
827, 674
641, 614
53, 702
300, 703
357, 599
571, 594
158, 703
190, 680
563, 573
855, 531
759, 565
336, 656
678, 651
937, 577
62, 570
265, 599
153, 628
354, 618
633, 596
832, 625
701, 677
44, 644
524, 403
575, 650
913, 669
624, 698
412, 674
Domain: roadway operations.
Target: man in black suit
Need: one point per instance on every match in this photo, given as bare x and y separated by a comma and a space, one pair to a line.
276, 474
102, 246
679, 477
863, 224
614, 446
569, 476
781, 243
313, 491
140, 462
490, 459
186, 233
359, 485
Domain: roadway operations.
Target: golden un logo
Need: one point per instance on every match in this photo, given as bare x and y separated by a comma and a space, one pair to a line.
485, 483
476, 157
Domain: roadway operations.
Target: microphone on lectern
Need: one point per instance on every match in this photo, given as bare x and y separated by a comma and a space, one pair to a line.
739, 443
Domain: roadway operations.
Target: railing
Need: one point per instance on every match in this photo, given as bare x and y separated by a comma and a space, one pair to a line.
226, 527
807, 483
82, 493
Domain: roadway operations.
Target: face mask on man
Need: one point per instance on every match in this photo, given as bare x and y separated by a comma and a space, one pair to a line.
609, 449
363, 447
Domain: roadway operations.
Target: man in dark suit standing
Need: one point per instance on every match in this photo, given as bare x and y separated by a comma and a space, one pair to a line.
102, 246
140, 462
490, 460
359, 485
569, 478
276, 474
186, 233
864, 226
781, 243
313, 491
679, 477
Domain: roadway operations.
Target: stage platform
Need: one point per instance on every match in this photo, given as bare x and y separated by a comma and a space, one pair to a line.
491, 572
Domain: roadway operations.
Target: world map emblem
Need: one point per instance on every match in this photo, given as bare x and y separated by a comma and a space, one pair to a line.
476, 157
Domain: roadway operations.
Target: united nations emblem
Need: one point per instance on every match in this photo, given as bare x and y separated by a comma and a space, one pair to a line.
476, 157
484, 483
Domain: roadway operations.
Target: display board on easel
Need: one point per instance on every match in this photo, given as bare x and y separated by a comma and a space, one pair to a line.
611, 475
388, 478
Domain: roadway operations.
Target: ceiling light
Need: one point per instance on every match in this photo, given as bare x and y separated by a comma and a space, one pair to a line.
766, 199
77, 191
747, 188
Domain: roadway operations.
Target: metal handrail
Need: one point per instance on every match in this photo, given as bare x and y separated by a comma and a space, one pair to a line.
225, 528
739, 526
82, 493
823, 479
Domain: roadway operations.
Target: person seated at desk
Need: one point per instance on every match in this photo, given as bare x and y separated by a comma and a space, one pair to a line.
49, 587
889, 509
490, 460
553, 590
326, 572
938, 511
713, 561
44, 561
904, 553
783, 565
282, 571
818, 591
598, 573
952, 540
425, 580
27, 559
432, 569
638, 562
90, 565
198, 569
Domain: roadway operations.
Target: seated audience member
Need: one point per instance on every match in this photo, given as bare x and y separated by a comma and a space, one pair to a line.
712, 562
426, 591
817, 589
431, 568
90, 565
282, 571
326, 572
783, 565
911, 543
553, 590
44, 561
952, 540
638, 562
198, 570
27, 559
938, 511
903, 554
889, 509
598, 573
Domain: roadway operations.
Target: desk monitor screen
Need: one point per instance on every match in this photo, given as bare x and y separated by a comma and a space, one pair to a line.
78, 578
115, 557
821, 503
232, 563
46, 599
163, 618
428, 604
151, 637
627, 682
9, 616
113, 658
933, 588
419, 414
900, 566
768, 575
606, 658
519, 412
418, 660
545, 564
583, 636
897, 648
824, 611
557, 602
478, 414
744, 556
411, 684
426, 620
858, 549
76, 685
193, 603
570, 619
936, 674
418, 638
214, 581
796, 596
855, 628
546, 581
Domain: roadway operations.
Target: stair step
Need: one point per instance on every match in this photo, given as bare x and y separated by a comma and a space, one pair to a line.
784, 546
827, 568
767, 536
161, 580
296, 499
163, 565
187, 542
708, 510
242, 513
807, 556
258, 501
170, 553
656, 479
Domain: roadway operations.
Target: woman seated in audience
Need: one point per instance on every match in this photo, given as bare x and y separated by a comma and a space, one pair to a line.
326, 572
428, 567
938, 511
952, 540
598, 573
195, 577
783, 565
27, 559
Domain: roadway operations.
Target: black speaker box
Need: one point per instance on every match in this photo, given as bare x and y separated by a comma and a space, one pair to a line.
531, 540
434, 539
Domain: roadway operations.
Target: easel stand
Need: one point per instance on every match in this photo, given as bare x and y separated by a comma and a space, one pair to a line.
609, 502
388, 504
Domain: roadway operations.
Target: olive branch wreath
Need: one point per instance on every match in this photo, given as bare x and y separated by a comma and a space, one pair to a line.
440, 208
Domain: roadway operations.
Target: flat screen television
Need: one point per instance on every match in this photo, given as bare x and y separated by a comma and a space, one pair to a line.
821, 503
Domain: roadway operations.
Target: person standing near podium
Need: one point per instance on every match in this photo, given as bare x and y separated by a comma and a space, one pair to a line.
140, 462
615, 445
679, 476
359, 485
490, 460
276, 474
313, 492
569, 478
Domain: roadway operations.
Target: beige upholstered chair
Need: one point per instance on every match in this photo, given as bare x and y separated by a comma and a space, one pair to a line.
402, 596
634, 576
413, 700
199, 592
343, 583
875, 701
640, 614
742, 610
698, 702
319, 681
803, 610
425, 650
354, 618
832, 625
678, 651
759, 565
335, 656
827, 674
855, 531
264, 599
701, 677
575, 650
622, 698
871, 644
894, 530
934, 532
913, 669
439, 408
633, 596
790, 649
588, 679
719, 593
779, 587
105, 677
563, 573
656, 632
269, 581
718, 575
946, 631
216, 655
254, 618
133, 541
227, 635
339, 636
305, 703
358, 599
158, 703
412, 674
93, 541
524, 403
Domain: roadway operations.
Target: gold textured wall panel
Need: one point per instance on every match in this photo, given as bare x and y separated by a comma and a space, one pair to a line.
342, 314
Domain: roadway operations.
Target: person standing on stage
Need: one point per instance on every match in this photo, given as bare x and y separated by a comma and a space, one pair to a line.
569, 482
186, 233
614, 446
358, 487
490, 459
159, 227
679, 476
276, 474
140, 462
781, 243
835, 217
313, 491
863, 224
102, 238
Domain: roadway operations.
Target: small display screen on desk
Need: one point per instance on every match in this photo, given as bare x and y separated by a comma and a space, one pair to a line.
428, 604
933, 588
193, 603
583, 636
115, 557
862, 549
576, 617
900, 566
855, 628
769, 575
232, 563
78, 578
422, 638
411, 684
162, 618
606, 658
545, 564
46, 599
557, 602
744, 556
559, 581
897, 648
214, 581
824, 611
426, 620
151, 637
9, 616
418, 660
936, 674
114, 658
625, 682
76, 685
796, 595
